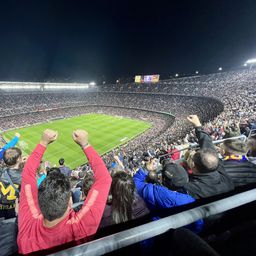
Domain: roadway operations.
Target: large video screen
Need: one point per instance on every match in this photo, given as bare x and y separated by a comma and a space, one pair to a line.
147, 79
138, 79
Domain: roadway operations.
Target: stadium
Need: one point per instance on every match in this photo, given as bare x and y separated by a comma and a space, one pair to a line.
128, 121
127, 128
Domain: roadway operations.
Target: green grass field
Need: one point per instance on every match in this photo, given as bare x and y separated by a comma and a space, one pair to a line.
105, 133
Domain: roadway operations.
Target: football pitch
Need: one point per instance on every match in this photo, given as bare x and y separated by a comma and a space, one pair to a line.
105, 133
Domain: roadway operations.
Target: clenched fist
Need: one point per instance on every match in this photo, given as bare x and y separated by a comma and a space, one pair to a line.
81, 138
194, 120
48, 137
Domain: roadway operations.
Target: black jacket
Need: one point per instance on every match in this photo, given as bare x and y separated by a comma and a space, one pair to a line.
241, 173
208, 184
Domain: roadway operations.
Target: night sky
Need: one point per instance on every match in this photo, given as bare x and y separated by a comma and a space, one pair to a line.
88, 40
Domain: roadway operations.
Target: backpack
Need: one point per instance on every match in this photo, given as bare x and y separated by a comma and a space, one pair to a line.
8, 191
9, 227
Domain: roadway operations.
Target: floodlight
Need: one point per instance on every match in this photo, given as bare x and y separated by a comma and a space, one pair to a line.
11, 86
68, 87
197, 72
251, 61
245, 65
92, 83
176, 75
220, 68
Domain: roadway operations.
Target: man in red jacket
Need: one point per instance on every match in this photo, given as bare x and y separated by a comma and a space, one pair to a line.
46, 218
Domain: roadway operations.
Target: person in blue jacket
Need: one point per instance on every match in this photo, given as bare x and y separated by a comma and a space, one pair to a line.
10, 144
159, 196
165, 195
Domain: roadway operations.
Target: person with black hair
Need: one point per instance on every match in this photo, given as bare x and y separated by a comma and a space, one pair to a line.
46, 218
83, 187
125, 203
87, 183
10, 180
208, 177
64, 169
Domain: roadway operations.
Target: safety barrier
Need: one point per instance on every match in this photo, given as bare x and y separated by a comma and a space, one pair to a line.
146, 231
134, 235
215, 142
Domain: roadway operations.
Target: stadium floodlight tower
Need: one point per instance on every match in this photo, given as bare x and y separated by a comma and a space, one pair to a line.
176, 75
250, 62
220, 68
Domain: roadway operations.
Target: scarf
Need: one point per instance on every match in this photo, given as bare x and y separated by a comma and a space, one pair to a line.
239, 158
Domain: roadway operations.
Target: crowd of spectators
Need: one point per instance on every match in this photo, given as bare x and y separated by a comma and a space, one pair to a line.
138, 178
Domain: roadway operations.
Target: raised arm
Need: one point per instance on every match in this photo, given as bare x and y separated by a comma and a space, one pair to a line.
10, 144
28, 207
88, 218
204, 138
119, 161
139, 180
157, 196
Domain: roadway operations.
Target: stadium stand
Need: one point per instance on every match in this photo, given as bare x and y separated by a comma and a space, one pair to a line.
225, 105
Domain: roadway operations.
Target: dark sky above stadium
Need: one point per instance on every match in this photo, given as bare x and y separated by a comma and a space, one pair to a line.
94, 40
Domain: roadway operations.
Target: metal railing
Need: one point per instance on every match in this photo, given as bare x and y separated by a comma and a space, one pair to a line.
252, 133
146, 231
215, 142
134, 235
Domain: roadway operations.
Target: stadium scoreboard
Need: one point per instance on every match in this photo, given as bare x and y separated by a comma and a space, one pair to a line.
147, 79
